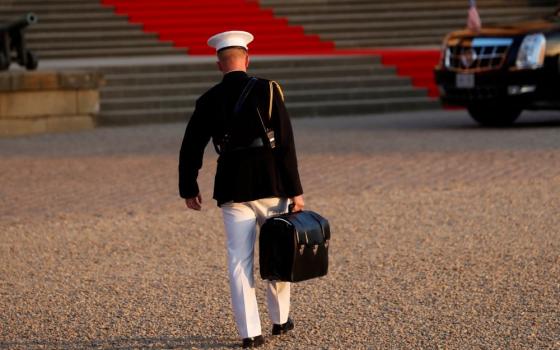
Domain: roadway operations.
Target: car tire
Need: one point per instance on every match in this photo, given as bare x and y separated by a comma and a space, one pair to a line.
487, 115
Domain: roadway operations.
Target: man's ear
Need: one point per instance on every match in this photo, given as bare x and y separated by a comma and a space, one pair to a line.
220, 66
246, 61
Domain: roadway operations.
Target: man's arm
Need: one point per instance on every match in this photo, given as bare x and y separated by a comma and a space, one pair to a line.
286, 150
195, 140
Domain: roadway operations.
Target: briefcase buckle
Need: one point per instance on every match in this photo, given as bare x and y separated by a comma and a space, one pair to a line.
315, 249
301, 249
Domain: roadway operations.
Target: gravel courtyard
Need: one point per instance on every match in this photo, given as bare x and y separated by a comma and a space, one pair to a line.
445, 235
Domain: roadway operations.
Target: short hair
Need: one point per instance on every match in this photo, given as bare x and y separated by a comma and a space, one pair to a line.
229, 54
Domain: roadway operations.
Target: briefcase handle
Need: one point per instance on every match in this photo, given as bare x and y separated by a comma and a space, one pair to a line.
291, 207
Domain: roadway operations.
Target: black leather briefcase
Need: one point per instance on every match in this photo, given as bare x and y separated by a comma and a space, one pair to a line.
294, 247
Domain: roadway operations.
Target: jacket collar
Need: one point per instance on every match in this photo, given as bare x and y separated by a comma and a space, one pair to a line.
235, 75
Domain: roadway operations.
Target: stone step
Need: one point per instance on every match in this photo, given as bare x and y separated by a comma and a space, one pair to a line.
119, 35
79, 17
280, 3
415, 40
296, 109
389, 3
53, 15
257, 63
450, 24
356, 107
277, 73
352, 93
292, 84
397, 33
48, 9
51, 2
101, 44
398, 7
392, 16
188, 101
63, 27
110, 52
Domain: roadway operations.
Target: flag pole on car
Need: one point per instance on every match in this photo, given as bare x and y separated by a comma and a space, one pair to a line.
473, 19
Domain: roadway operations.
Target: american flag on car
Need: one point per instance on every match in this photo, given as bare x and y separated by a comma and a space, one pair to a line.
473, 19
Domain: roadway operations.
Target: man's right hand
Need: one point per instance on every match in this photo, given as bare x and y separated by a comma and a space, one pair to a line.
298, 203
194, 203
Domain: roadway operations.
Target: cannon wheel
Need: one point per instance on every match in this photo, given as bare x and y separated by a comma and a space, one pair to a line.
31, 61
4, 62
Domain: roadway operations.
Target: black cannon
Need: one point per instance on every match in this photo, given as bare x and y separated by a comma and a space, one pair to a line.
12, 40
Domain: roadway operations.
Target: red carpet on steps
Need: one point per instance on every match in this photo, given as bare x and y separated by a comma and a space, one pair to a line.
189, 24
418, 64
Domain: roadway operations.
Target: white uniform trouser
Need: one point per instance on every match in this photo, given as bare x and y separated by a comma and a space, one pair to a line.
240, 220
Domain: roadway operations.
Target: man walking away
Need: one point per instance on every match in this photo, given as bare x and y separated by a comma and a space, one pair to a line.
256, 176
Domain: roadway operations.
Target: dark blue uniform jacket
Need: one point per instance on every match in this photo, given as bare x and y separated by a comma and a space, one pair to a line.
244, 174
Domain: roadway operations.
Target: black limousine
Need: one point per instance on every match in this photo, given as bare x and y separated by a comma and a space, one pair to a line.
500, 71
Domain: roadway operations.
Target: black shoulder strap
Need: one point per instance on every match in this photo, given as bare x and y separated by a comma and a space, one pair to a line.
236, 110
244, 94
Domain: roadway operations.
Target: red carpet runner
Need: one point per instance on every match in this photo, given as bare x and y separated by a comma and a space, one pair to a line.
189, 23
416, 64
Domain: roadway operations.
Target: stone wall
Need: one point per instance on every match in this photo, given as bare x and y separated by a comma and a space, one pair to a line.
39, 102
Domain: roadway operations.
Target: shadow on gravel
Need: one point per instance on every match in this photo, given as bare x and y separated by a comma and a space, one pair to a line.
438, 120
459, 120
122, 343
529, 124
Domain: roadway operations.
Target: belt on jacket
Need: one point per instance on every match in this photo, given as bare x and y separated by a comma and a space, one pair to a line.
256, 143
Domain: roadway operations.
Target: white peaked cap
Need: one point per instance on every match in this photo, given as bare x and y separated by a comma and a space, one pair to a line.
231, 38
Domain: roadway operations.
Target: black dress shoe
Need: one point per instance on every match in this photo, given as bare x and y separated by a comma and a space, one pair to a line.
278, 329
253, 342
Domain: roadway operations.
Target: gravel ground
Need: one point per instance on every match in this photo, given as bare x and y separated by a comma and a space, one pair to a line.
445, 235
